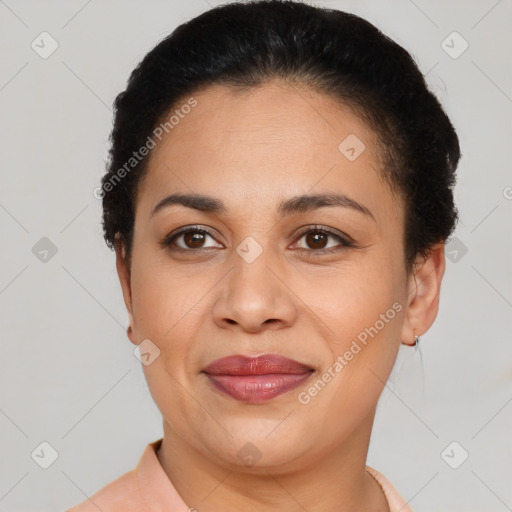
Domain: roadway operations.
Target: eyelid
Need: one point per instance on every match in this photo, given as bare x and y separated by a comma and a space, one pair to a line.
346, 241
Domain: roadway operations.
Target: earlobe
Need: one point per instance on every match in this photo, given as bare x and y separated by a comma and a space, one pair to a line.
423, 294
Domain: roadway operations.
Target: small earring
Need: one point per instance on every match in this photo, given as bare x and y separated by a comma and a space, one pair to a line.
416, 341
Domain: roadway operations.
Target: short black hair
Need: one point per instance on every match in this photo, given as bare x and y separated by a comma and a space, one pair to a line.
246, 44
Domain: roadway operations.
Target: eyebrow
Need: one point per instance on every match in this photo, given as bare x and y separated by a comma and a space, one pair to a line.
297, 204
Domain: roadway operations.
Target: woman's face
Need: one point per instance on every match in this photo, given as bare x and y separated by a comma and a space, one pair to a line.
264, 280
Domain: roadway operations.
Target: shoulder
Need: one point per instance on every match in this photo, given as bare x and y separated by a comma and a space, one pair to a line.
121, 495
135, 490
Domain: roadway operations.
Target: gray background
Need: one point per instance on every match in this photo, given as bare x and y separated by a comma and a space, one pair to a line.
68, 375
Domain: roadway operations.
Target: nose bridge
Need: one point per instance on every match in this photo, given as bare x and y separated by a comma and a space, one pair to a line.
254, 294
252, 259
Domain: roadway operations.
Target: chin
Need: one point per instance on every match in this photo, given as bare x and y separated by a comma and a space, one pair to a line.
262, 447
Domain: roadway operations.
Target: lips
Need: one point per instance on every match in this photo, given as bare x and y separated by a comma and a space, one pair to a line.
256, 379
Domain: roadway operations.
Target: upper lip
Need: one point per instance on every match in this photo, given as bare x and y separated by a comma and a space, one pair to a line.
255, 365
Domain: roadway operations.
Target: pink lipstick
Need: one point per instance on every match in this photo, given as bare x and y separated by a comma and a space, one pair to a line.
258, 378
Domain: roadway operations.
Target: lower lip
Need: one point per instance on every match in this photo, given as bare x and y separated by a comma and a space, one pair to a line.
257, 388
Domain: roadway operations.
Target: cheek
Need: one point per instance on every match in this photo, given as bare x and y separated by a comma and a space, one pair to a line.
355, 300
364, 351
365, 313
166, 306
362, 315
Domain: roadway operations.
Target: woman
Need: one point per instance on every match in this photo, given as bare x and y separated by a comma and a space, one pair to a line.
278, 195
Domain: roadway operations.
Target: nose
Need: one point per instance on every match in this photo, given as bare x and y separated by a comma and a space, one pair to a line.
254, 296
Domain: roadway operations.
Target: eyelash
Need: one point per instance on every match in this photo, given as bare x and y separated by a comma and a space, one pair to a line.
169, 240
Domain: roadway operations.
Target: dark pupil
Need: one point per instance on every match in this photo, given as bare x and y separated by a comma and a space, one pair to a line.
313, 239
195, 238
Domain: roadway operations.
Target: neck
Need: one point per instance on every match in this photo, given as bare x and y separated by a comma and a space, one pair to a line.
334, 481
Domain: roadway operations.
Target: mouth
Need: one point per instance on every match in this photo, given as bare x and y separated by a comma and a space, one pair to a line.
256, 379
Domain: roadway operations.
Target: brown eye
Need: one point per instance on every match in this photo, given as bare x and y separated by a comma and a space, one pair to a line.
193, 239
316, 240
319, 240
189, 239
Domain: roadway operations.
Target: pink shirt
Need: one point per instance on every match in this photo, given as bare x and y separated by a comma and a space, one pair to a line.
147, 488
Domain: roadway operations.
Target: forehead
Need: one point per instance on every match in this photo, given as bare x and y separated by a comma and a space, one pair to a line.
281, 117
269, 142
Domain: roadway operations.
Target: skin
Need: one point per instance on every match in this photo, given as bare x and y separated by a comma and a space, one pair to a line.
253, 150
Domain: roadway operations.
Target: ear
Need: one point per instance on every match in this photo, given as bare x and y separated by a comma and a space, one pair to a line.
423, 294
123, 273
